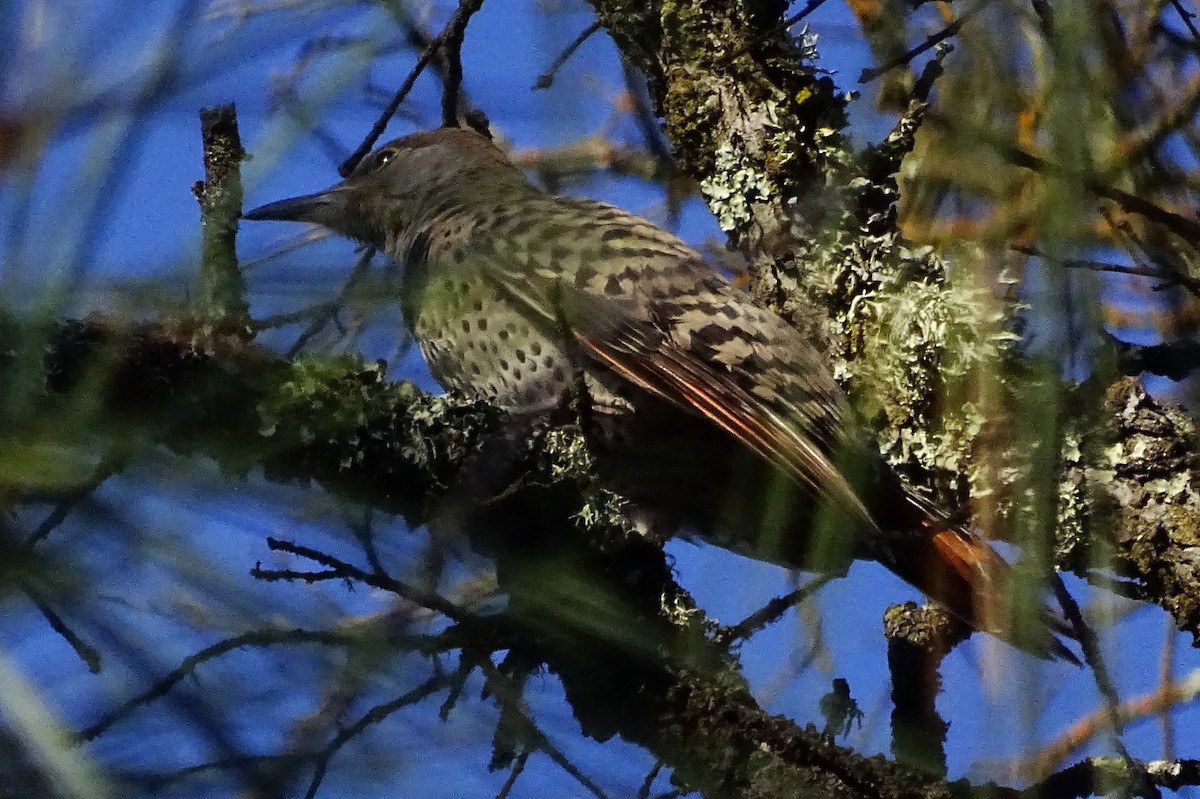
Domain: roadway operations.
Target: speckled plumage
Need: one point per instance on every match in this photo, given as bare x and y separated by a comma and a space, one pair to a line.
518, 297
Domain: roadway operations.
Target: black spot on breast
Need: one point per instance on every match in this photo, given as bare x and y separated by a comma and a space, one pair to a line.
481, 324
516, 374
520, 356
536, 349
716, 334
466, 326
475, 369
585, 275
504, 334
503, 365
478, 305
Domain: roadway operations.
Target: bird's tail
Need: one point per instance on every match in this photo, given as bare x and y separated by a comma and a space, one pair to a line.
961, 571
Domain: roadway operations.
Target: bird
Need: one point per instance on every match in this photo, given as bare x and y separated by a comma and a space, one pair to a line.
520, 297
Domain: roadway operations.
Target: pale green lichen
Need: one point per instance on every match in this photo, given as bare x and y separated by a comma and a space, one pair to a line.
737, 181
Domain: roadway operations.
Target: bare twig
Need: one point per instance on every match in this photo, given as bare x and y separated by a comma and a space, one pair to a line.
546, 79
221, 293
945, 33
107, 468
1055, 753
514, 772
372, 716
509, 697
1169, 277
770, 612
1187, 17
426, 599
1139, 781
1183, 226
809, 7
190, 664
452, 38
455, 29
331, 309
86, 652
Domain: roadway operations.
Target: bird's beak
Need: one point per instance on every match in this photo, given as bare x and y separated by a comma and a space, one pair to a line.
323, 208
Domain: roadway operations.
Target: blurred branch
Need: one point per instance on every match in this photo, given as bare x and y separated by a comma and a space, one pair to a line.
1167, 276
86, 652
1139, 782
347, 427
1183, 226
221, 289
932, 41
918, 641
344, 425
1165, 697
1177, 360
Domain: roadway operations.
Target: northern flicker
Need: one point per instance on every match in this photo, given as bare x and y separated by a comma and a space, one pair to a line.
518, 297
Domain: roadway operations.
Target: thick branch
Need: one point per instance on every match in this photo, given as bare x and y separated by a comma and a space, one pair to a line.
652, 671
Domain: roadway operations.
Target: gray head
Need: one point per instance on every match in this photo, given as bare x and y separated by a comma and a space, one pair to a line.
403, 183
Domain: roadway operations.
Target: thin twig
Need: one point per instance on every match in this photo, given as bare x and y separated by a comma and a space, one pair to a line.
331, 309
465, 9
108, 467
504, 692
644, 791
770, 612
1181, 225
426, 599
945, 33
192, 662
1169, 278
381, 124
788, 22
452, 37
517, 767
372, 716
86, 652
546, 79
1140, 783
1187, 17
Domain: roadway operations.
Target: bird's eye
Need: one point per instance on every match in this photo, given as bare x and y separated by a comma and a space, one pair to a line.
376, 161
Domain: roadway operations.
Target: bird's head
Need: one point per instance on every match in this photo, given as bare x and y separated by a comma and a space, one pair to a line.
402, 184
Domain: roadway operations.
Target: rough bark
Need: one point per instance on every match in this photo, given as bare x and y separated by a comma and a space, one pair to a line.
761, 130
